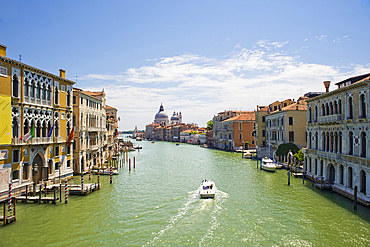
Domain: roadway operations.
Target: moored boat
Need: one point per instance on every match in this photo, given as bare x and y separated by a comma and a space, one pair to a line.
268, 165
207, 189
105, 172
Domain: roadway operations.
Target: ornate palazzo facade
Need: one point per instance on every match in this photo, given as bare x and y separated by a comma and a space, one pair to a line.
338, 127
43, 101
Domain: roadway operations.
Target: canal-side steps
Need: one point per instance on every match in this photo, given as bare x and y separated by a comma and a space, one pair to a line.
83, 190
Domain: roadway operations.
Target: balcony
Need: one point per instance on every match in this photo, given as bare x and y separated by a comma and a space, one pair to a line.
41, 140
58, 139
329, 155
94, 129
94, 147
17, 141
330, 119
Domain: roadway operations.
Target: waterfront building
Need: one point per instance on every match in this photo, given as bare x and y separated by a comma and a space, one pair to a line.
39, 106
112, 131
280, 122
338, 137
89, 117
149, 130
220, 137
238, 130
209, 138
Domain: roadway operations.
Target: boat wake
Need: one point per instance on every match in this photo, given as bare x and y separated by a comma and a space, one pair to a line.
193, 207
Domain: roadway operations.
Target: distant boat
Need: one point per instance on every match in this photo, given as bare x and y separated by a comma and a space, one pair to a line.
138, 139
177, 144
138, 147
153, 142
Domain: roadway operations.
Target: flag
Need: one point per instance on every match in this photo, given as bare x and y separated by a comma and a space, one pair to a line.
30, 134
51, 131
71, 136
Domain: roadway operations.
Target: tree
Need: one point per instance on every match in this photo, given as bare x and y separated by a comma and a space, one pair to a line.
299, 156
210, 125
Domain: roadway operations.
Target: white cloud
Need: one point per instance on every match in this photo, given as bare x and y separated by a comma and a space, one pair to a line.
201, 87
321, 37
339, 40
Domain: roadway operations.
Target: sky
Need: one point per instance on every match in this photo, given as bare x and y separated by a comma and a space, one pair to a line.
197, 57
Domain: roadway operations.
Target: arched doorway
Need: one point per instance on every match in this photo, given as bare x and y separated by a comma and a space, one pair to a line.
38, 167
331, 172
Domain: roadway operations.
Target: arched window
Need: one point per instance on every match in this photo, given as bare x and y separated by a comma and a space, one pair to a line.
48, 91
350, 178
335, 107
350, 143
309, 114
240, 136
350, 108
15, 128
315, 166
331, 142
44, 134
341, 174
336, 142
331, 112
339, 107
340, 142
26, 127
309, 140
322, 168
43, 94
316, 141
68, 98
38, 91
32, 92
363, 144
362, 106
327, 109
26, 88
15, 86
56, 96
322, 110
316, 113
56, 129
327, 147
310, 165
323, 148
38, 129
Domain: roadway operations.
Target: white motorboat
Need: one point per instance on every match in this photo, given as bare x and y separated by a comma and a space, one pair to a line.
207, 189
268, 165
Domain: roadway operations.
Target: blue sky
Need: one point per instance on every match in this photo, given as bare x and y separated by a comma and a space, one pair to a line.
197, 57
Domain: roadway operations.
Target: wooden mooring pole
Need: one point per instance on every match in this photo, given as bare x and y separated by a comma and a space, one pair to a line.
129, 164
355, 198
288, 173
134, 163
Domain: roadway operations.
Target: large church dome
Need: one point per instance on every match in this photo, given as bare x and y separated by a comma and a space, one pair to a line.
161, 117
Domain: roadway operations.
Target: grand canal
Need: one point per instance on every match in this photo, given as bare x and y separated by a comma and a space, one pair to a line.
158, 204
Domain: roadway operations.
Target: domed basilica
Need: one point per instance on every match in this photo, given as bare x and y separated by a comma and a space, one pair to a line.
162, 118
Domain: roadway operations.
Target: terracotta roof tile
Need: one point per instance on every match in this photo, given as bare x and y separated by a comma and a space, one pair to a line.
246, 115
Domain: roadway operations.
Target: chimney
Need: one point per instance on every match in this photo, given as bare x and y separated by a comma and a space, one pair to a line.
2, 50
62, 73
327, 85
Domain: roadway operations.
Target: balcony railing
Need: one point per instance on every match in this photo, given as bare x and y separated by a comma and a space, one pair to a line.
94, 128
17, 141
330, 118
58, 139
329, 155
40, 140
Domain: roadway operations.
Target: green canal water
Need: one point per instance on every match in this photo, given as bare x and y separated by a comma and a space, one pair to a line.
158, 204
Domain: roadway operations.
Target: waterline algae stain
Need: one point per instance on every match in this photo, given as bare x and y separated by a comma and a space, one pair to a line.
158, 204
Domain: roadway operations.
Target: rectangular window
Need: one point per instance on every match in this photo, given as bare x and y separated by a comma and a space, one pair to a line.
263, 143
263, 133
25, 171
290, 120
62, 88
63, 116
3, 72
82, 100
240, 126
3, 154
15, 155
15, 174
291, 136
56, 166
56, 150
74, 100
263, 119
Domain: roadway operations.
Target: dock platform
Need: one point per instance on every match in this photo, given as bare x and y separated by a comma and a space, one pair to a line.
87, 189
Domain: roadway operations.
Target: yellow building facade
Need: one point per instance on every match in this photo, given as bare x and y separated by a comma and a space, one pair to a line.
39, 101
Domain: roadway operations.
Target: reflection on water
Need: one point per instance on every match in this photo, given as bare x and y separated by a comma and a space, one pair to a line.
158, 204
